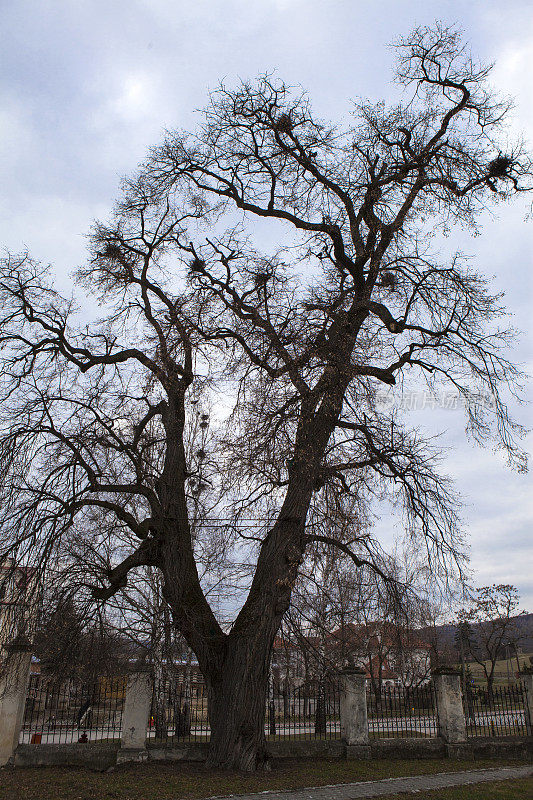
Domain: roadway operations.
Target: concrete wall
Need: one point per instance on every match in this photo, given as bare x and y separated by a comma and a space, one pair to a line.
136, 710
408, 748
527, 680
185, 752
97, 756
91, 754
318, 748
353, 711
502, 748
13, 685
450, 706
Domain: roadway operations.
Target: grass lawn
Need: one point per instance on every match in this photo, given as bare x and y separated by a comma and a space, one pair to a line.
521, 789
163, 781
504, 670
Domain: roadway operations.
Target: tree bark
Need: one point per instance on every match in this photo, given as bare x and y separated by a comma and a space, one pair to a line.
237, 703
490, 683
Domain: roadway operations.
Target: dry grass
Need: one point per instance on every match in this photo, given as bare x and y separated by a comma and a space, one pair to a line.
505, 670
164, 781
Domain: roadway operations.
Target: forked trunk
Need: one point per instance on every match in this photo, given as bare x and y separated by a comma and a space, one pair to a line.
237, 704
236, 665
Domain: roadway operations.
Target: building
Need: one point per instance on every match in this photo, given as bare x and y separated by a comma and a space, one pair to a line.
18, 602
390, 655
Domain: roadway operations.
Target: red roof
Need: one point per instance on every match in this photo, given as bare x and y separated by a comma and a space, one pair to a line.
376, 634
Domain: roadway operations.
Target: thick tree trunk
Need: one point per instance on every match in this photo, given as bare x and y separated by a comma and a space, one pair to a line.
237, 703
236, 665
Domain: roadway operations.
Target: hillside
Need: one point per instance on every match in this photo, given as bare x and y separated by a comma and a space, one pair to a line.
444, 635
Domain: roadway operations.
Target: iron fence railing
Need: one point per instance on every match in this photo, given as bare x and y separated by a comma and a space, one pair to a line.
501, 712
68, 711
400, 712
59, 712
310, 711
178, 713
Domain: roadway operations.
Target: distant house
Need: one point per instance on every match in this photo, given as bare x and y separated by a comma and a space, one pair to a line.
187, 671
391, 656
18, 602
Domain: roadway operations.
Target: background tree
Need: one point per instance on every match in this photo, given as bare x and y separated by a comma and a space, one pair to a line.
94, 419
347, 616
68, 646
488, 627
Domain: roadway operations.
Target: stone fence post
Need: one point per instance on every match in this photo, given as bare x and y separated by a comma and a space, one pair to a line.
136, 715
526, 676
354, 720
450, 709
13, 688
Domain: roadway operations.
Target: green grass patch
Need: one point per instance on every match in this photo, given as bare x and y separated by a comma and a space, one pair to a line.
164, 781
504, 672
519, 789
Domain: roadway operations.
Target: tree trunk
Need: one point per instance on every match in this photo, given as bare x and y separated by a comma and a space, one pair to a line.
320, 712
236, 665
272, 717
160, 720
237, 703
490, 684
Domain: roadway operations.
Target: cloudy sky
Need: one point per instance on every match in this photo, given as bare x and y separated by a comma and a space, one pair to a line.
86, 86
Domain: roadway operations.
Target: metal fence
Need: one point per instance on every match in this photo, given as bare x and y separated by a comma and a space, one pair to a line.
71, 711
502, 712
404, 713
310, 711
178, 713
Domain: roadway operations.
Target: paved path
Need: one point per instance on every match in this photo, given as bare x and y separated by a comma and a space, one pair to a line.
416, 783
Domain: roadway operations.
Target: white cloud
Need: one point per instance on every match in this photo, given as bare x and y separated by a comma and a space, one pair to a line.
136, 97
512, 74
16, 138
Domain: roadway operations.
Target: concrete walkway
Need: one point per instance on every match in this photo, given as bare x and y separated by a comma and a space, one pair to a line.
416, 783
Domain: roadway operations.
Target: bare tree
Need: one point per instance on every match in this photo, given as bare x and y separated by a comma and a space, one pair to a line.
94, 419
361, 622
70, 646
487, 627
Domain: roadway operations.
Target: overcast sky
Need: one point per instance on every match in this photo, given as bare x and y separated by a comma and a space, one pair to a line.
86, 86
